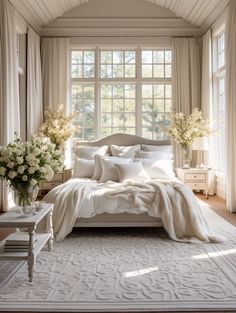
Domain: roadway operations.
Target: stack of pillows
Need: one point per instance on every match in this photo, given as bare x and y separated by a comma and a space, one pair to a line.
138, 162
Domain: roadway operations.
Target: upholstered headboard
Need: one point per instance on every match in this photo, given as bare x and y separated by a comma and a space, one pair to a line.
123, 140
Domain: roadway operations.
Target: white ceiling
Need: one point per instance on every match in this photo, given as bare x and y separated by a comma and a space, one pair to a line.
201, 13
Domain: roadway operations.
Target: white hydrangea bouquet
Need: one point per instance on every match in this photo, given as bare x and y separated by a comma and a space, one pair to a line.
24, 164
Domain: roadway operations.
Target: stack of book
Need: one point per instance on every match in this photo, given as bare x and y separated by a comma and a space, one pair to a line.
18, 242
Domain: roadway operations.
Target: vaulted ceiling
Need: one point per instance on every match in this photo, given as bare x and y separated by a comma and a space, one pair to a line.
200, 13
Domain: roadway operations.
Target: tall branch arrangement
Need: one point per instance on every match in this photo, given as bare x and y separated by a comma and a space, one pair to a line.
184, 129
57, 126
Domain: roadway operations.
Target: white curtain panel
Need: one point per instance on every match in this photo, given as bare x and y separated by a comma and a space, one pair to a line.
186, 80
231, 106
9, 89
54, 52
34, 83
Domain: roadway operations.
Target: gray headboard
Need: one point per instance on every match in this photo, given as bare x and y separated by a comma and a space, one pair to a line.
122, 140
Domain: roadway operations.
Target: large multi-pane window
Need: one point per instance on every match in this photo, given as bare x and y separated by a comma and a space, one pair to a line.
121, 91
219, 102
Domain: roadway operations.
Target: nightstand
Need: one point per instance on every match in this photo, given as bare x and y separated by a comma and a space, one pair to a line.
57, 180
195, 178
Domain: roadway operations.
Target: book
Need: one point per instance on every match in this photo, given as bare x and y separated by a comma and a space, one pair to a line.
18, 239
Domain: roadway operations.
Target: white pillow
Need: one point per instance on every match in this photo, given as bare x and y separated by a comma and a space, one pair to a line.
162, 169
164, 148
88, 153
124, 151
98, 167
134, 171
83, 168
109, 171
157, 155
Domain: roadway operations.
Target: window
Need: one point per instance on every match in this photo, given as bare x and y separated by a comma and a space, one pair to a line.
121, 90
219, 101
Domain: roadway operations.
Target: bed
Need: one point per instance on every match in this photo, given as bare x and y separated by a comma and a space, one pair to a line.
122, 219
135, 187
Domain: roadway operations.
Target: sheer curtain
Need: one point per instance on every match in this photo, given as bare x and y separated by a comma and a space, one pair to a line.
186, 80
54, 53
9, 89
231, 106
34, 83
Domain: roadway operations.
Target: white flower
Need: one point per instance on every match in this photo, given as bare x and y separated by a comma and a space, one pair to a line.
12, 174
33, 182
31, 170
31, 163
21, 169
10, 164
42, 170
2, 170
30, 157
19, 160
24, 177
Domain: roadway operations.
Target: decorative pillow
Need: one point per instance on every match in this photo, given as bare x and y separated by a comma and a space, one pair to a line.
164, 148
124, 151
134, 171
162, 169
157, 155
83, 168
109, 171
88, 153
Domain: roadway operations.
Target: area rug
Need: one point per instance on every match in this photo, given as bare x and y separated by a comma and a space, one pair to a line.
115, 270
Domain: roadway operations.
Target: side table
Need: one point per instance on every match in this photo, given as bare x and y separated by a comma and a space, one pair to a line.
14, 219
195, 178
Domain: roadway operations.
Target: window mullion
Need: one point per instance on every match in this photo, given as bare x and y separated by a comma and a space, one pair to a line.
138, 93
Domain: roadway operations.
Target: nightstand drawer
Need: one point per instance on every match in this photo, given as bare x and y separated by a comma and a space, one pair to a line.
58, 177
193, 177
197, 186
50, 185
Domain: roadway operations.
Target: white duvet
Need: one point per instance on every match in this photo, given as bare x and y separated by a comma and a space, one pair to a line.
171, 201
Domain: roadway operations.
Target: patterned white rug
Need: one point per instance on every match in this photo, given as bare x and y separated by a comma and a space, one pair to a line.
111, 270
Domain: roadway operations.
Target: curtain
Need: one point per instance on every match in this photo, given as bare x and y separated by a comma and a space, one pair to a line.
231, 106
34, 83
186, 80
54, 53
9, 89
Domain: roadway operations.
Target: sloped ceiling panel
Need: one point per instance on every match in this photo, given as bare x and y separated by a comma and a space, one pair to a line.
41, 12
198, 12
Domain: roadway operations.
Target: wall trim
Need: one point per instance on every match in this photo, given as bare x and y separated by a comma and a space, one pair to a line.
120, 27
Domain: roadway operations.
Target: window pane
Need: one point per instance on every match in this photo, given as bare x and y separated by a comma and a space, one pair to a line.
82, 64
146, 70
83, 102
146, 56
122, 105
159, 70
118, 64
155, 109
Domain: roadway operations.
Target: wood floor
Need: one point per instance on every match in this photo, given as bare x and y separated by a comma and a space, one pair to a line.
216, 203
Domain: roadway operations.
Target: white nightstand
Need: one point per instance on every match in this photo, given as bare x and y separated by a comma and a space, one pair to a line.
195, 178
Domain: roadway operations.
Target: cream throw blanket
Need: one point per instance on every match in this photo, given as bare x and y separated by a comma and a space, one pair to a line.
172, 202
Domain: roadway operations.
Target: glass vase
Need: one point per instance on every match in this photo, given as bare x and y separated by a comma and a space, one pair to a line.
24, 195
186, 157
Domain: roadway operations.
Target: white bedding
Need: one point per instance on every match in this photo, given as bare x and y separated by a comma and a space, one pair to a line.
171, 201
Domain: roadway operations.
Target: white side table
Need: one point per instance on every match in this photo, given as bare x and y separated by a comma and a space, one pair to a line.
195, 178
13, 219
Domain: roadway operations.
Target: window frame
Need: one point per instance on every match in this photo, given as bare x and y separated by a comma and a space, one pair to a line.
138, 80
219, 72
